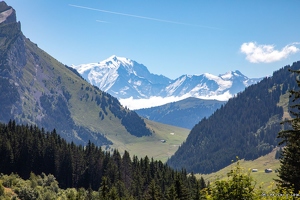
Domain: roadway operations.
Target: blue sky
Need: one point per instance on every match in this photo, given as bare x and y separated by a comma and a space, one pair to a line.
169, 37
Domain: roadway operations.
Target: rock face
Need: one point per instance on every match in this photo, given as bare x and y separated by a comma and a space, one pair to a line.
9, 31
7, 13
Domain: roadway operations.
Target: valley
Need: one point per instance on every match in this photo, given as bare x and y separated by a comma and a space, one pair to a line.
114, 130
161, 145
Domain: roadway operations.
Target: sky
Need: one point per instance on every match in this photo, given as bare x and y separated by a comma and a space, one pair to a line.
170, 37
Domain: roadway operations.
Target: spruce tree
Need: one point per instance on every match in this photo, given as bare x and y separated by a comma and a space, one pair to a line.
289, 171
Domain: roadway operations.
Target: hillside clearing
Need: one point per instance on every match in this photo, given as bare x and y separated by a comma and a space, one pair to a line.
261, 163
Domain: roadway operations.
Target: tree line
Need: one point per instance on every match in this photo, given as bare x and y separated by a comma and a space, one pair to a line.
25, 149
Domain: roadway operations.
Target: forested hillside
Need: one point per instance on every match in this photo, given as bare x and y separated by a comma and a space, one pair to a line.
184, 113
246, 126
26, 149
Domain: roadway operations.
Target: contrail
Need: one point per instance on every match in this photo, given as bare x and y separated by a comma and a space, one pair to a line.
141, 17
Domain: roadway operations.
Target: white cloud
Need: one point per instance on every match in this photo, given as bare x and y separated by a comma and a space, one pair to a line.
134, 104
266, 53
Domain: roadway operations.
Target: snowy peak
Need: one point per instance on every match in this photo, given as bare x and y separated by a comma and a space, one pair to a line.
233, 74
122, 77
125, 78
116, 62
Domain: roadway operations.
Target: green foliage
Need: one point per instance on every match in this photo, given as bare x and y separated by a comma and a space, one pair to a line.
27, 193
238, 185
1, 189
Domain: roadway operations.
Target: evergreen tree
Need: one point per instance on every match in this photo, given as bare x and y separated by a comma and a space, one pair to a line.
153, 192
113, 194
181, 191
172, 195
104, 189
289, 171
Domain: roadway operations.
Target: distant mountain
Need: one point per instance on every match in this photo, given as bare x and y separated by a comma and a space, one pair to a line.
125, 78
36, 89
246, 126
184, 113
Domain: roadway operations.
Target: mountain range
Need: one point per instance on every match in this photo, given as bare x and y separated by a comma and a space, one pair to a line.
125, 78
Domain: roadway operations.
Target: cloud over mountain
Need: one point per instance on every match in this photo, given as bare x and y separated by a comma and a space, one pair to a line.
256, 53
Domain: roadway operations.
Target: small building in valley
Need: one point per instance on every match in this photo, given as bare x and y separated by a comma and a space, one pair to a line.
268, 170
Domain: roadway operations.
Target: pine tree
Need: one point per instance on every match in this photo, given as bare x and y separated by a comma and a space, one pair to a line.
172, 195
181, 191
104, 189
289, 171
113, 194
153, 192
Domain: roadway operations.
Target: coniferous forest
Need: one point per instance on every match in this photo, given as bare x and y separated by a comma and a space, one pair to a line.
27, 149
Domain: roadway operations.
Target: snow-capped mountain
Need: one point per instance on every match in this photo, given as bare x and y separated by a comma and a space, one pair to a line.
125, 78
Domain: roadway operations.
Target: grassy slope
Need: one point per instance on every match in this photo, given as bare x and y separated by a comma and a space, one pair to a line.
151, 145
86, 112
261, 163
284, 103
